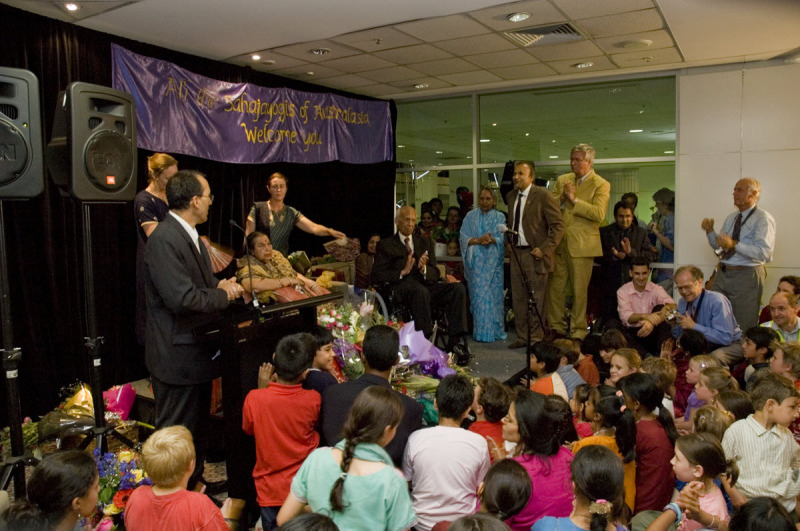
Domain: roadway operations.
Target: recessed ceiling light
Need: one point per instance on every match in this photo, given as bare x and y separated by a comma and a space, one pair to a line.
518, 17
410, 160
469, 156
554, 141
421, 86
527, 134
400, 146
587, 64
268, 62
439, 152
637, 44
494, 125
319, 51
669, 152
484, 140
636, 130
72, 7
553, 156
256, 57
309, 73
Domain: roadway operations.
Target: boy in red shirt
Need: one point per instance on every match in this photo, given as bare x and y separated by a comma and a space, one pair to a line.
168, 458
492, 400
282, 417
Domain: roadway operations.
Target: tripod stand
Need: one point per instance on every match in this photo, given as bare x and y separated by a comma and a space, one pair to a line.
15, 466
101, 430
531, 309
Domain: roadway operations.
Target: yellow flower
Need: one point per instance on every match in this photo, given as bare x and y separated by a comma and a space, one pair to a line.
138, 474
111, 510
126, 456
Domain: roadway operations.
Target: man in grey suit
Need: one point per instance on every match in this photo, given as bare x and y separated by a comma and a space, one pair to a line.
182, 295
536, 218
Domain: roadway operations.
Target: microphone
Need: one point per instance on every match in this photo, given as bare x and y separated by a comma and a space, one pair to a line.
233, 223
503, 229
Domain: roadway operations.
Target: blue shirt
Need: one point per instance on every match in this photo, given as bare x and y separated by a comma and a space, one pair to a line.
756, 238
714, 318
570, 377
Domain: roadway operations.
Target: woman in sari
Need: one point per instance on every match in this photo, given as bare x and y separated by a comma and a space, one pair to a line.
483, 250
267, 270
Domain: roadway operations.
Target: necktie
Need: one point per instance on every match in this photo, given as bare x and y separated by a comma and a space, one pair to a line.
517, 215
408, 244
737, 229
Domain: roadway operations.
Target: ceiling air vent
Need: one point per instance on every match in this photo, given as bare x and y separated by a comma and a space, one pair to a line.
544, 35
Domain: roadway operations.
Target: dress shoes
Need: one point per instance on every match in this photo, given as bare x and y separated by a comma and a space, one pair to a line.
462, 354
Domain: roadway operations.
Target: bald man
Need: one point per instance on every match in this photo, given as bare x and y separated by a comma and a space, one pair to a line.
407, 262
744, 246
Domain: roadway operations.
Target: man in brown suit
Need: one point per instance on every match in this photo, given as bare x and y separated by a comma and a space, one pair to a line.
536, 218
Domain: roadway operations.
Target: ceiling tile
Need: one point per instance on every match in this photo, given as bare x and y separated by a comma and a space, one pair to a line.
346, 81
432, 82
580, 9
413, 54
443, 28
524, 71
570, 50
470, 78
600, 63
395, 73
660, 38
623, 24
359, 63
542, 12
647, 57
379, 90
301, 51
490, 42
444, 66
377, 39
301, 72
501, 59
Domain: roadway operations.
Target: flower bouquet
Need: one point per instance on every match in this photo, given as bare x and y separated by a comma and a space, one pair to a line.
119, 476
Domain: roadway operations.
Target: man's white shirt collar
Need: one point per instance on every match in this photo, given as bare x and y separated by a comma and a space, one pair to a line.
192, 231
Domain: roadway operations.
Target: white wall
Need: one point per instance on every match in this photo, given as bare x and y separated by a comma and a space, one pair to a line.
736, 122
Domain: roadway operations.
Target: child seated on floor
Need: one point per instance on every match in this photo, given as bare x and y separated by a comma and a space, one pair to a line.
546, 359
696, 365
283, 440
665, 373
580, 397
762, 445
168, 458
492, 399
624, 361
319, 376
610, 341
566, 367
446, 464
691, 343
786, 362
584, 364
757, 349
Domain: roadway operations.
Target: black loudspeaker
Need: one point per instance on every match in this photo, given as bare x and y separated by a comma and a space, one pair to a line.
21, 169
92, 153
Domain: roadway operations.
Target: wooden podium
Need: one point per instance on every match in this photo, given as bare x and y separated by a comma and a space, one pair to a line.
248, 340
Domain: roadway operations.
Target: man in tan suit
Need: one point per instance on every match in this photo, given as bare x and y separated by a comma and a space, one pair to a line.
536, 217
583, 196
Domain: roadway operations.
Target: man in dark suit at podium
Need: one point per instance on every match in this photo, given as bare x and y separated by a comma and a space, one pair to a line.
183, 294
408, 263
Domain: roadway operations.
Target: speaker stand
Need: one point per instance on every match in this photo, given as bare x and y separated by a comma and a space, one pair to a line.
15, 466
94, 343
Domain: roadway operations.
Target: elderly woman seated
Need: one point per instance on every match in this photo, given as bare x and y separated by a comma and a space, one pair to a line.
268, 270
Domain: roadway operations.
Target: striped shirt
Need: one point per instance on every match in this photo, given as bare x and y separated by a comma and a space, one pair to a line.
768, 460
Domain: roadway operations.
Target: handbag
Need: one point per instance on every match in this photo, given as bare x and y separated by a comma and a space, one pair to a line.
297, 292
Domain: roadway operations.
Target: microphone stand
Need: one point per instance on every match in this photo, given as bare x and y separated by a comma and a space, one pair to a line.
233, 223
531, 308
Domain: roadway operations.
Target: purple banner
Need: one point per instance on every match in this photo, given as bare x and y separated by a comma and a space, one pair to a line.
181, 112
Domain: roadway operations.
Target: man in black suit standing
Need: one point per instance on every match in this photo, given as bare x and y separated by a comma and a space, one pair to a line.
183, 294
408, 263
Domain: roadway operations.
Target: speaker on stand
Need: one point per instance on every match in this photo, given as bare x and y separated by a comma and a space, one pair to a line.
21, 177
92, 157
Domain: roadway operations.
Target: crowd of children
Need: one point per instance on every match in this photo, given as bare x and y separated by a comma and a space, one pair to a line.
670, 442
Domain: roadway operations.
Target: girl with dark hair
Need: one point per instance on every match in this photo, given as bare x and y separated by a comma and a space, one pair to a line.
478, 522
736, 403
655, 440
614, 427
535, 430
62, 489
761, 514
598, 479
699, 459
309, 522
353, 481
561, 413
